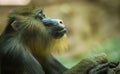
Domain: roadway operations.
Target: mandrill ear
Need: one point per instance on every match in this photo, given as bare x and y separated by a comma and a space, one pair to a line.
10, 27
14, 25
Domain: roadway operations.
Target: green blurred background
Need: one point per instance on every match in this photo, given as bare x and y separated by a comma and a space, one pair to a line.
93, 27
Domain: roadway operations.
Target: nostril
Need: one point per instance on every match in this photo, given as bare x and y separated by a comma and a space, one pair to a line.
61, 22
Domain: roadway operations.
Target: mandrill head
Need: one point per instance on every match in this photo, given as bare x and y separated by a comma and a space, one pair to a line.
39, 33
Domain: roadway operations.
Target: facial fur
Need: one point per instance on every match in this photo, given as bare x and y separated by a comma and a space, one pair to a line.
40, 37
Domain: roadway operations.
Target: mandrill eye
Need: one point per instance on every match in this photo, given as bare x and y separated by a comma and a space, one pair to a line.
40, 15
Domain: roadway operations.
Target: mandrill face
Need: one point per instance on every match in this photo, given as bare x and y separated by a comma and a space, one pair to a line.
55, 27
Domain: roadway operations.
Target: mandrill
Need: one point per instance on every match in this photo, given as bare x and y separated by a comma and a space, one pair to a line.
28, 40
